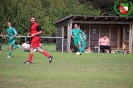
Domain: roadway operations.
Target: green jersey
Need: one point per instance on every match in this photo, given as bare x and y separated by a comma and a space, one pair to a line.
83, 37
76, 33
83, 41
11, 32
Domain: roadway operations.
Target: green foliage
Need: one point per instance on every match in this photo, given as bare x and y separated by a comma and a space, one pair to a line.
106, 6
118, 12
45, 11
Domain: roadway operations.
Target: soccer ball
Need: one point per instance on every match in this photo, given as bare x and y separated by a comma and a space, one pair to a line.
78, 53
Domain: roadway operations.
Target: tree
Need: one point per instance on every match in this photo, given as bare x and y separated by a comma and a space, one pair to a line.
106, 6
45, 11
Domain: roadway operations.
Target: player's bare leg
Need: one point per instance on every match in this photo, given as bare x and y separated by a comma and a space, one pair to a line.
29, 61
79, 47
10, 52
45, 53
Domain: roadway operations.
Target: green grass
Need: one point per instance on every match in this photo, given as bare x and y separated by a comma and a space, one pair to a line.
66, 71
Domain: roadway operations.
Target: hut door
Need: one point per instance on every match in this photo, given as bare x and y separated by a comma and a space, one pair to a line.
114, 38
126, 38
94, 36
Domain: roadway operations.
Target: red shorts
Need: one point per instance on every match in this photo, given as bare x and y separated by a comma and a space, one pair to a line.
35, 42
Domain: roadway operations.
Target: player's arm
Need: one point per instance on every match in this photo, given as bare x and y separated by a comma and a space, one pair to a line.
81, 31
85, 36
81, 37
71, 34
1, 34
28, 34
15, 33
39, 31
5, 36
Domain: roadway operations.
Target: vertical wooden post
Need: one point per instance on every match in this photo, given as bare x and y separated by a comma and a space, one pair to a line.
69, 35
89, 39
123, 46
25, 38
118, 44
62, 31
130, 39
62, 40
99, 32
131, 36
110, 33
99, 39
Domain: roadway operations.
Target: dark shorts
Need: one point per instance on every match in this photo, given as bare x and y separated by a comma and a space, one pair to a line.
0, 40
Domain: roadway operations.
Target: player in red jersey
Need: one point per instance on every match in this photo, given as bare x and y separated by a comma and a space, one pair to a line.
35, 31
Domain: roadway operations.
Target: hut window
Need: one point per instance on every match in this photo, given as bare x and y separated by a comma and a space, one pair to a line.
65, 32
126, 33
94, 30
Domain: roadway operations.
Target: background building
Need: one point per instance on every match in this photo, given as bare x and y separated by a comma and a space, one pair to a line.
118, 29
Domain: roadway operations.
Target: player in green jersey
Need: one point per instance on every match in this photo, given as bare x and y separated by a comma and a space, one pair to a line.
83, 41
11, 33
75, 33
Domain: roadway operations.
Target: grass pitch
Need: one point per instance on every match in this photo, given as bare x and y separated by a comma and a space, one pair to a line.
66, 71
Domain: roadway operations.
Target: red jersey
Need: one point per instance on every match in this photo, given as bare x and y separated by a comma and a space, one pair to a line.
33, 28
35, 41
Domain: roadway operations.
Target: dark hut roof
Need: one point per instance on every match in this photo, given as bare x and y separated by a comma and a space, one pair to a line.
95, 18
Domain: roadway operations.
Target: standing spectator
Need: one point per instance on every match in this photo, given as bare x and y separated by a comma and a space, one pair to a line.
0, 38
35, 31
105, 44
11, 33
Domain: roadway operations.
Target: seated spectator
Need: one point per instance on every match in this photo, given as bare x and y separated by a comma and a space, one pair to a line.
105, 44
26, 46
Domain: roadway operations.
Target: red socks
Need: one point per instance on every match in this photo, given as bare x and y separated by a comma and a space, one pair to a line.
30, 58
46, 54
31, 55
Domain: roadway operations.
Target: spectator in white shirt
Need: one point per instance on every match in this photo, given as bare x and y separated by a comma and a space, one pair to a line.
26, 46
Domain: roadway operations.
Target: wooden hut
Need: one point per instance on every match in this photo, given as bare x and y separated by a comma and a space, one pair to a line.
118, 29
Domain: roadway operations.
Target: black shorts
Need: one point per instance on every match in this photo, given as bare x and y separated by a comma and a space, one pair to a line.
0, 40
